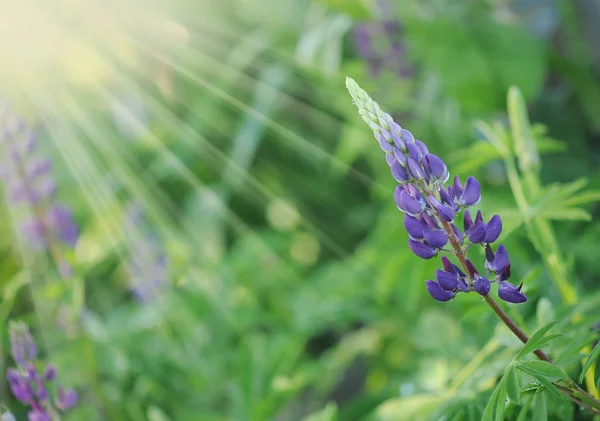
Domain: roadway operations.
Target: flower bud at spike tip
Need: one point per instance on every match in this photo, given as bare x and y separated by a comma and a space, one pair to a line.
407, 136
422, 146
414, 152
424, 251
435, 168
415, 170
437, 292
390, 158
400, 157
511, 294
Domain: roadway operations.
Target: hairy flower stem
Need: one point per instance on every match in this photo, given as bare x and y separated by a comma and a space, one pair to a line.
573, 391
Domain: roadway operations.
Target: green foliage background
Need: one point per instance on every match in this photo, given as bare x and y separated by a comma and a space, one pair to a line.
292, 293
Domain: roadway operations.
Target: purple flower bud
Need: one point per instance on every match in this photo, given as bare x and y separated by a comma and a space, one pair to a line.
511, 294
385, 144
467, 221
481, 286
493, 229
390, 158
471, 194
435, 168
446, 197
414, 152
445, 213
21, 391
471, 268
504, 274
422, 146
66, 398
407, 203
457, 232
447, 264
424, 251
400, 156
437, 292
41, 392
436, 238
399, 172
498, 262
476, 233
50, 372
446, 280
414, 227
407, 136
415, 170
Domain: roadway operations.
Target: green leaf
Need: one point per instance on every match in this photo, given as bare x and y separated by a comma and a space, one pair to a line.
540, 408
535, 341
593, 357
550, 387
542, 369
513, 385
523, 142
495, 407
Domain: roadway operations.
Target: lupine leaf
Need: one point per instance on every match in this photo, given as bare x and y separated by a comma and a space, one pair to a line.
513, 385
540, 410
593, 357
534, 342
523, 142
543, 369
495, 407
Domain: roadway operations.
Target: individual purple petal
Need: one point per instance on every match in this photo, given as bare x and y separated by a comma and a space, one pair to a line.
462, 285
41, 392
457, 187
467, 221
424, 251
399, 172
407, 136
436, 238
66, 398
414, 169
21, 391
435, 167
447, 264
400, 156
504, 274
414, 152
501, 259
445, 213
476, 233
493, 229
481, 286
61, 221
437, 292
478, 217
471, 194
422, 146
446, 280
390, 158
383, 141
471, 268
489, 257
510, 293
409, 204
457, 232
413, 226
446, 197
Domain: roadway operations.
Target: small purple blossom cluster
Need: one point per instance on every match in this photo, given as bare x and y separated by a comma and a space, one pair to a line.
431, 210
28, 183
147, 264
29, 385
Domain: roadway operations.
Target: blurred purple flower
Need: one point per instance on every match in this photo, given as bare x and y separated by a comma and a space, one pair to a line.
28, 385
147, 264
28, 183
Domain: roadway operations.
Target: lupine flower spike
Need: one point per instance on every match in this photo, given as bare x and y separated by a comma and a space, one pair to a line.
29, 384
29, 186
431, 210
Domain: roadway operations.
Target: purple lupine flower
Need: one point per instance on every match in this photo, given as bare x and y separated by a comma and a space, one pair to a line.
147, 265
29, 184
28, 385
431, 208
